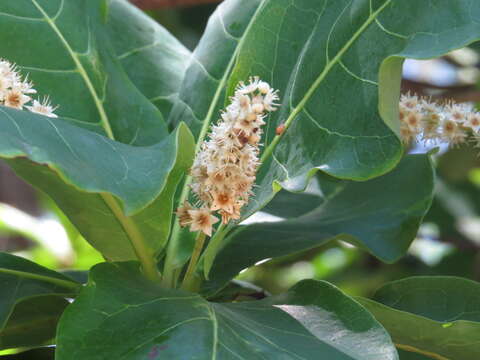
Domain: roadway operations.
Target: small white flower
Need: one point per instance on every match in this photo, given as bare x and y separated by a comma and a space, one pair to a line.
202, 220
457, 112
269, 101
452, 132
7, 70
25, 86
14, 98
410, 101
263, 87
473, 122
42, 108
249, 88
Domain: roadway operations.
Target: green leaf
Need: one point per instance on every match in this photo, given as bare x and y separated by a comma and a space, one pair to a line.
202, 92
290, 205
83, 168
154, 60
84, 64
314, 320
33, 322
407, 355
35, 354
381, 215
85, 68
238, 290
79, 276
71, 58
441, 298
27, 288
435, 316
337, 65
453, 203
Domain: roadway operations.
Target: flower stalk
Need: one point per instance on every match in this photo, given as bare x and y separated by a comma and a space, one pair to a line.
189, 278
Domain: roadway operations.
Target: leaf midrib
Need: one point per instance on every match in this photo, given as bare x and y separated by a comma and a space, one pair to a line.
55, 281
83, 73
269, 150
136, 239
413, 349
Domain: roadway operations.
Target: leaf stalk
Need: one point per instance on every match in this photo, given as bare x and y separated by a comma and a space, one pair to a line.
143, 254
59, 282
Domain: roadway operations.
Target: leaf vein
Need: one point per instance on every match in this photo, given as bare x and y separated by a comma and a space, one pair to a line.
355, 76
21, 17
385, 30
301, 105
204, 69
339, 134
81, 69
224, 27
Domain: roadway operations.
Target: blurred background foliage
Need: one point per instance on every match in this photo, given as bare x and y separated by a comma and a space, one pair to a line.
448, 242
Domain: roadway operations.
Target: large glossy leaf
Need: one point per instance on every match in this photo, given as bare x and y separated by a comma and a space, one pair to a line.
80, 70
143, 178
338, 66
120, 315
26, 315
202, 92
381, 215
330, 60
154, 60
71, 58
435, 316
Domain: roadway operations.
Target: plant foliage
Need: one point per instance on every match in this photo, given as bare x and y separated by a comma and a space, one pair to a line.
135, 107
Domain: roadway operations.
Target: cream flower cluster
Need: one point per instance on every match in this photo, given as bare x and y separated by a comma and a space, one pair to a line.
425, 120
224, 169
15, 92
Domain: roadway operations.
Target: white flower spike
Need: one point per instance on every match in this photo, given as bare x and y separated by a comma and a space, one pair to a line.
224, 169
426, 120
